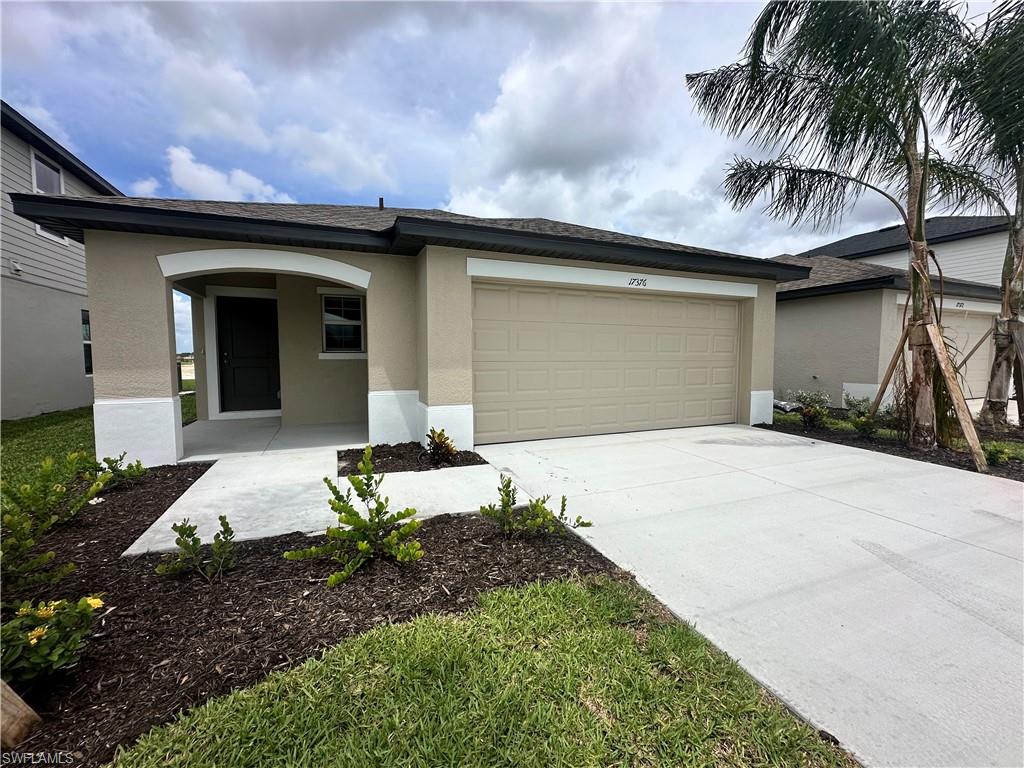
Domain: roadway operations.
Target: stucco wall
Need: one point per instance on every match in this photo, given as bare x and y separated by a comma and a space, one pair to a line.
43, 359
445, 343
822, 342
313, 391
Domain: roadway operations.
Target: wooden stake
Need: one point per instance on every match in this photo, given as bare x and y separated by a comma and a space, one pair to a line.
16, 718
896, 355
963, 413
1016, 329
974, 349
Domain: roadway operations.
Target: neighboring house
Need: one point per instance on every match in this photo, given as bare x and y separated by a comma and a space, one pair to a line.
403, 319
47, 362
966, 247
837, 330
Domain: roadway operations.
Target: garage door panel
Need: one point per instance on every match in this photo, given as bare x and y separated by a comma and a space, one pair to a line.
560, 362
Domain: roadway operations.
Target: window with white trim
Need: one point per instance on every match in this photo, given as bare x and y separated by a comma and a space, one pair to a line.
344, 328
48, 179
87, 342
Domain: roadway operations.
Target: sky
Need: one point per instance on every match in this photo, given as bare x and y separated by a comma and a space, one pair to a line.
573, 111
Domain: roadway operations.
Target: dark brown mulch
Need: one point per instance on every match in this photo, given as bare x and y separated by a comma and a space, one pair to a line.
165, 645
403, 457
1013, 469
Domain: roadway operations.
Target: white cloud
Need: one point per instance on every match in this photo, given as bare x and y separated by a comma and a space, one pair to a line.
201, 181
144, 187
45, 119
334, 154
214, 100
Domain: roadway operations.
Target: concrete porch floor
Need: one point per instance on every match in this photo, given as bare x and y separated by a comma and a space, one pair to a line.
221, 438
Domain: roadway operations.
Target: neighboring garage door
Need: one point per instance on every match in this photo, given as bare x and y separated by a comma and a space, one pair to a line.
553, 362
964, 330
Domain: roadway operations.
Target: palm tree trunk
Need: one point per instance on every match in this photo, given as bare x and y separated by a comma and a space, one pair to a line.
922, 355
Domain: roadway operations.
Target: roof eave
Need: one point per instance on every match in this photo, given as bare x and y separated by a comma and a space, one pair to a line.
20, 126
897, 282
979, 232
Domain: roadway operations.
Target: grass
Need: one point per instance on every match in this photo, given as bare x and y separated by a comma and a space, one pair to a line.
562, 674
26, 442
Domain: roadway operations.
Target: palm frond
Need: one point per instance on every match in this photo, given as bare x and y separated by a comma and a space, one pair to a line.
963, 187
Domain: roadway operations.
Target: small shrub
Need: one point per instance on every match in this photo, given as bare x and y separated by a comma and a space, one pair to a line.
40, 640
813, 417
995, 453
119, 472
189, 557
810, 398
31, 509
856, 406
864, 424
440, 448
358, 538
535, 517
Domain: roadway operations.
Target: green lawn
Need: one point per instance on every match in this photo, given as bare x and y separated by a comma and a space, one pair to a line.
26, 442
563, 674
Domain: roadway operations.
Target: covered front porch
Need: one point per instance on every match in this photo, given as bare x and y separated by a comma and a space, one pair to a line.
209, 440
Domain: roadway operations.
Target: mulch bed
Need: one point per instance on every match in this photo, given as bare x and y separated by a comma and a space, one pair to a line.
1013, 469
165, 645
403, 457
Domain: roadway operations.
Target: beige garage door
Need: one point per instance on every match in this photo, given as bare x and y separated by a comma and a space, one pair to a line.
550, 362
965, 329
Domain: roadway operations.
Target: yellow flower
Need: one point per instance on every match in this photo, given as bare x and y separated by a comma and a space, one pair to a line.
36, 635
25, 610
45, 612
94, 602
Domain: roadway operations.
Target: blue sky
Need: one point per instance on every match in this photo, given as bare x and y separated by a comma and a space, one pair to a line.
569, 111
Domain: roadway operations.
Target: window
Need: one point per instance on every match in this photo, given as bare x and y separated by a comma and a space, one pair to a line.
344, 330
87, 342
48, 179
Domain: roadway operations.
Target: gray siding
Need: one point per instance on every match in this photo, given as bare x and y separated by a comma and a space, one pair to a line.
974, 258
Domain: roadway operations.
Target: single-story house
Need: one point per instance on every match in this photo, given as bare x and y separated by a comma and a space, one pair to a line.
836, 330
403, 319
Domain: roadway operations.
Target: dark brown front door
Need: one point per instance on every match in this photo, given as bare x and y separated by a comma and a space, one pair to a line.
250, 376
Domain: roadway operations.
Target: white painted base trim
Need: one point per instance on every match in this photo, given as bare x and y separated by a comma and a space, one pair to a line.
394, 416
522, 271
761, 406
455, 420
147, 428
866, 390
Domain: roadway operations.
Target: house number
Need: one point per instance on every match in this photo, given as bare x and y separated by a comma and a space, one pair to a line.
638, 282
959, 305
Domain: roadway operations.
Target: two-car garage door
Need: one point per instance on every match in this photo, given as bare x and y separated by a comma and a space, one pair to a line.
551, 362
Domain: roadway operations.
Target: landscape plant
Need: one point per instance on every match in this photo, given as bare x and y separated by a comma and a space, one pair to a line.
856, 406
813, 417
864, 424
360, 537
42, 639
534, 517
996, 454
440, 448
119, 472
189, 557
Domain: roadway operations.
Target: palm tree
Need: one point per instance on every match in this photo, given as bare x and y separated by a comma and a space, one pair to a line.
841, 92
985, 116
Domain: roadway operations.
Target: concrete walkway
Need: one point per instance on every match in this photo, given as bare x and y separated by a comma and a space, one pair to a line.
880, 597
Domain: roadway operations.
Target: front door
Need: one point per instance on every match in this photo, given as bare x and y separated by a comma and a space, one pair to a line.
250, 377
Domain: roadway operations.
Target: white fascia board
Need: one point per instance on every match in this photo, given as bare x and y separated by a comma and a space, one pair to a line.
524, 271
954, 304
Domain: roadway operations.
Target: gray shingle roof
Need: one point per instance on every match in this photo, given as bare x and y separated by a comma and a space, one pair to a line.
939, 229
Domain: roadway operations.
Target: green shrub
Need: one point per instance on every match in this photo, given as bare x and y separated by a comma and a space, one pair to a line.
856, 406
864, 424
440, 448
810, 398
995, 453
41, 640
189, 557
358, 538
31, 509
535, 517
813, 417
120, 473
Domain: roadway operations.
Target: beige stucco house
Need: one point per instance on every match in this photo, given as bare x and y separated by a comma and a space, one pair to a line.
836, 330
397, 320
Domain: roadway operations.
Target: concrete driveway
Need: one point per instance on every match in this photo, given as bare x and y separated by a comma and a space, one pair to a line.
880, 597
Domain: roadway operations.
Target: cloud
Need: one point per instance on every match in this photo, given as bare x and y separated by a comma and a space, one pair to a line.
214, 100
334, 154
204, 182
45, 119
144, 187
182, 322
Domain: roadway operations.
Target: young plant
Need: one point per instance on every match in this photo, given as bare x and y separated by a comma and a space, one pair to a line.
440, 448
30, 510
533, 518
856, 406
864, 424
359, 538
813, 417
189, 557
119, 472
810, 398
43, 639
995, 453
